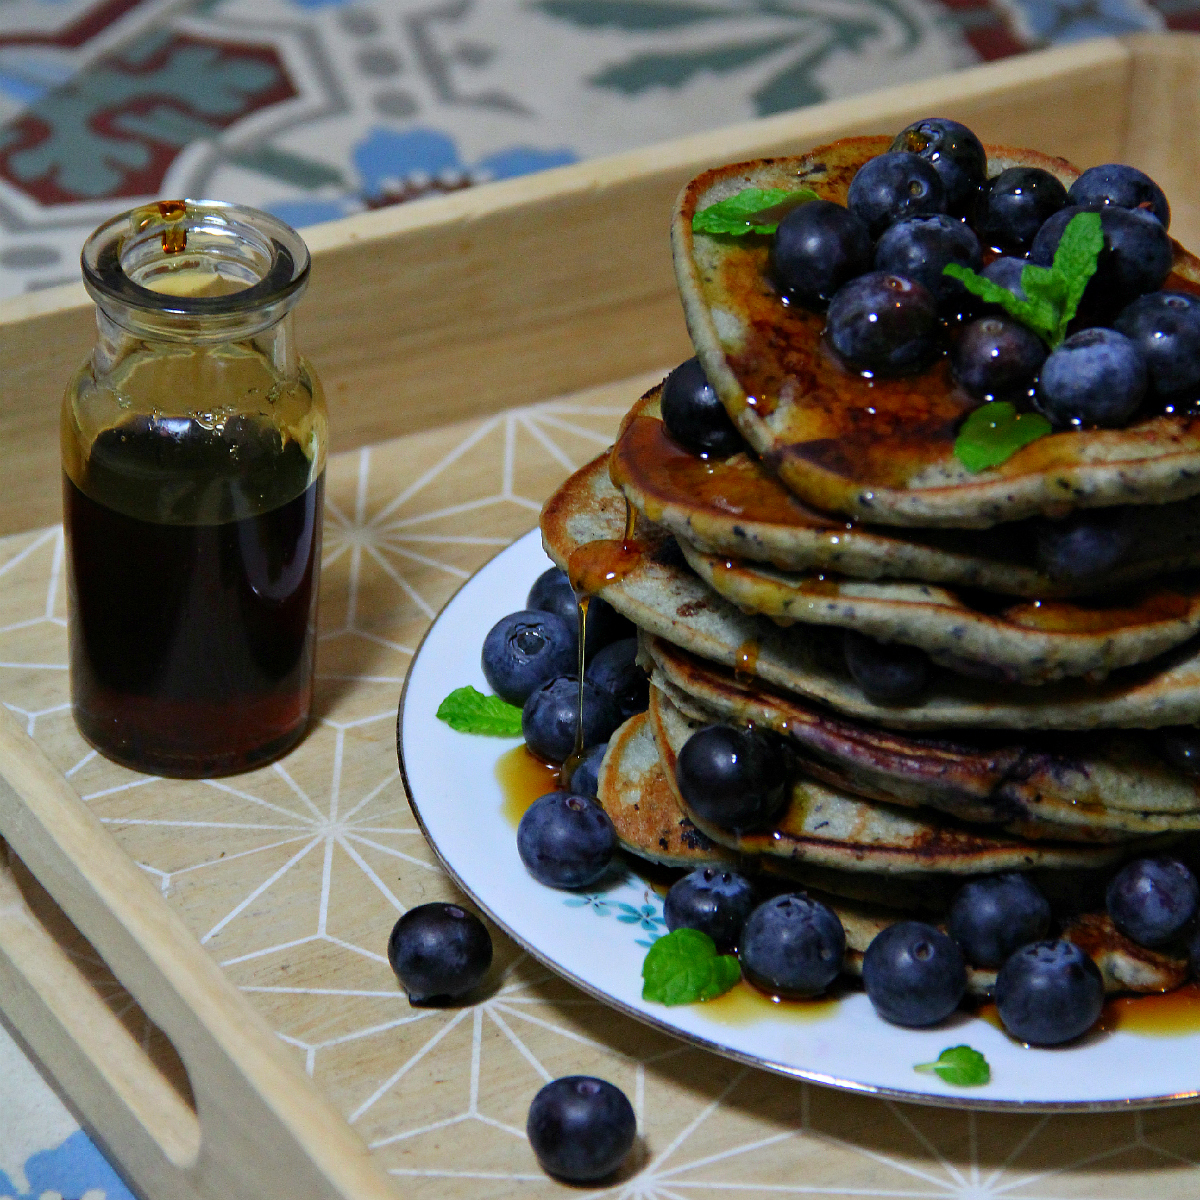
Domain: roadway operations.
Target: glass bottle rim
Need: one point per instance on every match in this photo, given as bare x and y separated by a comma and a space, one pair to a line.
277, 252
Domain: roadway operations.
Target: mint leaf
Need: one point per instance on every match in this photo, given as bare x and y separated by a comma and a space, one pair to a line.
1052, 293
752, 210
994, 432
959, 1065
470, 711
1075, 262
684, 967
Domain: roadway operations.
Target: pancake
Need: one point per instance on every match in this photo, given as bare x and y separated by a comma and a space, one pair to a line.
634, 792
881, 450
735, 506
642, 807
827, 827
1031, 642
1075, 787
647, 581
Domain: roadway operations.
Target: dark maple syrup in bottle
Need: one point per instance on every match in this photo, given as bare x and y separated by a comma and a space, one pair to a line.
193, 445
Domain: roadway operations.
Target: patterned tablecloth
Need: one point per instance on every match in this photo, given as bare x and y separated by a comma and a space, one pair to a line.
315, 109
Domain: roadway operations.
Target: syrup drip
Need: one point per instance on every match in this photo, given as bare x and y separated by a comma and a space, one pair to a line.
590, 567
746, 663
174, 237
582, 601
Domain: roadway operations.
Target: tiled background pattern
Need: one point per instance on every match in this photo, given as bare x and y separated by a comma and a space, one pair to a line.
318, 108
293, 875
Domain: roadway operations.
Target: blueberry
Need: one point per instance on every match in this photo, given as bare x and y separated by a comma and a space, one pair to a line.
524, 649
615, 670
887, 672
1049, 992
1014, 205
552, 592
991, 917
919, 248
580, 1128
439, 952
550, 717
1006, 272
953, 151
714, 901
792, 946
1136, 257
1165, 326
885, 323
735, 778
1085, 545
1122, 186
585, 779
1096, 377
565, 840
1179, 745
997, 358
1152, 900
914, 974
694, 416
893, 186
817, 248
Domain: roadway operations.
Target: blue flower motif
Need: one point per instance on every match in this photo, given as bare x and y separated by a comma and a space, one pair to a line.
592, 900
389, 154
646, 915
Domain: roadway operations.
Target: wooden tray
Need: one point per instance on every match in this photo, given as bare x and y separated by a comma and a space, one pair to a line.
429, 323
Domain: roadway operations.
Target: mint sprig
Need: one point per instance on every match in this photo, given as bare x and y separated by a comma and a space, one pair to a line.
994, 432
752, 210
470, 711
1052, 294
960, 1065
684, 966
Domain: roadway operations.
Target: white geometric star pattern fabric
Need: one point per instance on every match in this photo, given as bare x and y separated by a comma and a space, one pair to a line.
292, 876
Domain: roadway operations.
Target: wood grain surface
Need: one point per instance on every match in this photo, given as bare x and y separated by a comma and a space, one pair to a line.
292, 876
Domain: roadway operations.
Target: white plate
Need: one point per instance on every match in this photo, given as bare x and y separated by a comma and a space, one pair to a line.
598, 939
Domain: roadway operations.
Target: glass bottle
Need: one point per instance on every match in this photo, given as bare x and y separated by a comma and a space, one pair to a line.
193, 448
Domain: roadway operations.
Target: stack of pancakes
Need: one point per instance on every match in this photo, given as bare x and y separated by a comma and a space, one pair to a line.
1031, 748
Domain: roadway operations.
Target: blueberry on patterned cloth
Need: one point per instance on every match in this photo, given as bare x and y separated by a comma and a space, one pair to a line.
439, 952
580, 1128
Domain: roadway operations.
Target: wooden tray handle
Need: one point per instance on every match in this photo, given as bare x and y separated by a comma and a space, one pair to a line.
260, 1126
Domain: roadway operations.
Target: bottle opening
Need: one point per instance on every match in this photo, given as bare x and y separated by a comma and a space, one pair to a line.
194, 258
